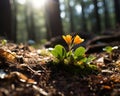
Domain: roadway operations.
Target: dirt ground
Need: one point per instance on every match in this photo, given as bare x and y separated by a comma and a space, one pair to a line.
25, 72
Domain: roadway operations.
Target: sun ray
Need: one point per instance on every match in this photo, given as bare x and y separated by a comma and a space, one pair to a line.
38, 3
21, 1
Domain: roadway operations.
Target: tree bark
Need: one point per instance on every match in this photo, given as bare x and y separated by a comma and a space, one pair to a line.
14, 20
54, 22
5, 19
117, 10
97, 25
29, 20
84, 28
106, 15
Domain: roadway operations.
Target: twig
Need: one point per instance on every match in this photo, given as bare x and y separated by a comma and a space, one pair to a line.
35, 72
40, 90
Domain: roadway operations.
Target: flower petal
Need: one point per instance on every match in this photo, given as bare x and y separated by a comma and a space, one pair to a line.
78, 40
67, 38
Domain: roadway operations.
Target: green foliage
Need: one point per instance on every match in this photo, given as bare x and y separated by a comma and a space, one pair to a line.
108, 49
75, 61
80, 51
4, 42
90, 59
59, 52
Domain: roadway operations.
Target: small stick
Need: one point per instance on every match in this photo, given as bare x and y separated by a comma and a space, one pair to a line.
31, 69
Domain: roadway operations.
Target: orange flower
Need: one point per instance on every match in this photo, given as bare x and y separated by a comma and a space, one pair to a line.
68, 39
78, 40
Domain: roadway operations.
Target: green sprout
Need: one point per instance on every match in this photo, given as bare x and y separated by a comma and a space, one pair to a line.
109, 50
70, 57
4, 42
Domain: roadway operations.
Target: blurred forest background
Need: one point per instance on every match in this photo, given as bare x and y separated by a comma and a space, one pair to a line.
41, 20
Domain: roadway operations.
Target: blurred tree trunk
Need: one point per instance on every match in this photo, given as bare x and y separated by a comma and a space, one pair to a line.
54, 23
117, 10
31, 33
29, 20
106, 13
71, 17
5, 19
84, 26
14, 20
97, 25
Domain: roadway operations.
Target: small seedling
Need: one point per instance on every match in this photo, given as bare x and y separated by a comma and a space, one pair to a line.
109, 50
4, 42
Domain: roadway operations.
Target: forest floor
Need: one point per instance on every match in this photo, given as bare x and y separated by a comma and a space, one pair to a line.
25, 72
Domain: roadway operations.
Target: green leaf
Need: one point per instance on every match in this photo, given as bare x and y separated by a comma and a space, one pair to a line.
79, 51
4, 41
108, 49
83, 59
90, 59
59, 52
92, 67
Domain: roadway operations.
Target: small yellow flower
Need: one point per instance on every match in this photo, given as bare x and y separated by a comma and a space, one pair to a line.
78, 40
68, 39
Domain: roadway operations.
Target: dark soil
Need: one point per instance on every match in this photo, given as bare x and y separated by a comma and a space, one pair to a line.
25, 72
